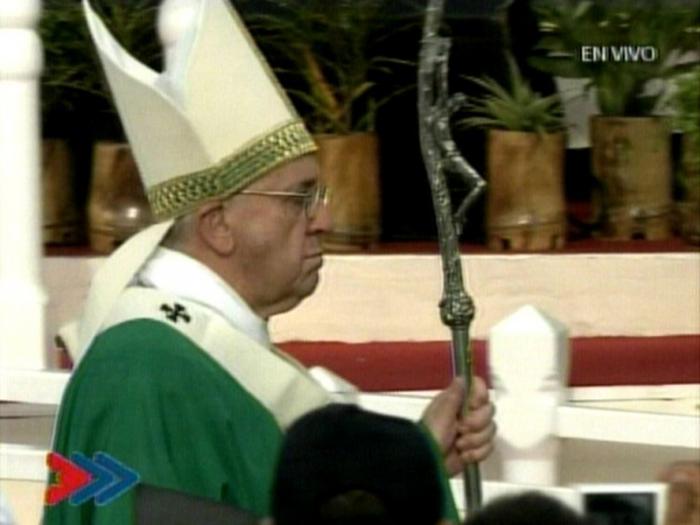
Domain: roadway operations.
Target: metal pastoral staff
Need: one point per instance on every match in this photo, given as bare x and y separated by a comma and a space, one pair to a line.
440, 155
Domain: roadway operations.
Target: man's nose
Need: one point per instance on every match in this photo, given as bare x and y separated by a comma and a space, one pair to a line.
322, 221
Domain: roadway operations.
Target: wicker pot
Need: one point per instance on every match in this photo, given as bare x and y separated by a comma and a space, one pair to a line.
117, 205
61, 219
632, 160
350, 169
525, 202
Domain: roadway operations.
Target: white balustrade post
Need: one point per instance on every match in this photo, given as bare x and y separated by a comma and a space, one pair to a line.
22, 297
528, 355
174, 16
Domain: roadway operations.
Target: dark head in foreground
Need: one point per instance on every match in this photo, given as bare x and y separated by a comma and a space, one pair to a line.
529, 508
343, 465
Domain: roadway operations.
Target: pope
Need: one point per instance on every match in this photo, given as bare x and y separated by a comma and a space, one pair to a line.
175, 373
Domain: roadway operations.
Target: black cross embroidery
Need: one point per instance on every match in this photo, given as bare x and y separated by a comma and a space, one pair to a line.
175, 312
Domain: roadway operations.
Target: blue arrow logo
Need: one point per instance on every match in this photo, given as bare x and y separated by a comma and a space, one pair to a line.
126, 478
100, 478
109, 478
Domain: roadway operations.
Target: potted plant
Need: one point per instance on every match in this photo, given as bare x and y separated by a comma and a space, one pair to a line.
621, 47
75, 94
323, 53
686, 103
525, 158
67, 84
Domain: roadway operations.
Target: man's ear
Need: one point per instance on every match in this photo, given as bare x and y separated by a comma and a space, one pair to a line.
213, 229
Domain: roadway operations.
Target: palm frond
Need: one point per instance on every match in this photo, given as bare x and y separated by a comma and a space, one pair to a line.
516, 108
346, 78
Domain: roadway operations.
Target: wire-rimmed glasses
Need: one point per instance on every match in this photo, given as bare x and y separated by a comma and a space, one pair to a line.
312, 200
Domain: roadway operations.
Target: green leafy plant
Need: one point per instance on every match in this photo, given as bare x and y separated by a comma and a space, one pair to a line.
623, 89
68, 69
514, 108
686, 102
72, 80
324, 54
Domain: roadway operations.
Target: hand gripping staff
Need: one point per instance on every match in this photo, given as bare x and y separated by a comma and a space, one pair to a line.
440, 155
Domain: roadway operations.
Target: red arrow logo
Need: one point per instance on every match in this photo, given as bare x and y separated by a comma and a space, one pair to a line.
69, 478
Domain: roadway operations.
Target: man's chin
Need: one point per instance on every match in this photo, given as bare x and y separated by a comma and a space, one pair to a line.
307, 286
310, 284
303, 288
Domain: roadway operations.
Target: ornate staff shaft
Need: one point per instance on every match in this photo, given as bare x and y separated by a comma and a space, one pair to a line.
440, 155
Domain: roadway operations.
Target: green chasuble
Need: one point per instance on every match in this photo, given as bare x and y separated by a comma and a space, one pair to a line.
153, 400
202, 418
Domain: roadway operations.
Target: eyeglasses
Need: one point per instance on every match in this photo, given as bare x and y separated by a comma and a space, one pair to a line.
312, 200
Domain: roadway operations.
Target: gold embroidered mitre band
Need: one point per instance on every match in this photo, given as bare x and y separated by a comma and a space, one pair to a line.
183, 194
212, 122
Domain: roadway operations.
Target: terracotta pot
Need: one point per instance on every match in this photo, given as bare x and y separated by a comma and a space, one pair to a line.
525, 199
689, 208
61, 219
117, 205
350, 169
632, 160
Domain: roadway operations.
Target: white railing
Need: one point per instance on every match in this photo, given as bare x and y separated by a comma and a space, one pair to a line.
536, 411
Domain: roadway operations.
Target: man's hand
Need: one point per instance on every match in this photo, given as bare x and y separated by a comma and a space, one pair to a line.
462, 440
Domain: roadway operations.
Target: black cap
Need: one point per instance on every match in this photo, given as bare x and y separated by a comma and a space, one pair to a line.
342, 464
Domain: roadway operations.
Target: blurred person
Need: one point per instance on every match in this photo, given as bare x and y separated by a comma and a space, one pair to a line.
528, 508
341, 465
683, 500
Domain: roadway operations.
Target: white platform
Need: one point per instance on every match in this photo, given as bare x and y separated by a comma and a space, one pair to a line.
394, 297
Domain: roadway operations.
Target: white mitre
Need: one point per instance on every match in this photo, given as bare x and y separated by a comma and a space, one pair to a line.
210, 124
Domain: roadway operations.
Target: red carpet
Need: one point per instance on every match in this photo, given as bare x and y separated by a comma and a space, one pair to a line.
596, 361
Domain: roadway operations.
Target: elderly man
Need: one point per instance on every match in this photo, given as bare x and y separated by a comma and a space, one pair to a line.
175, 374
